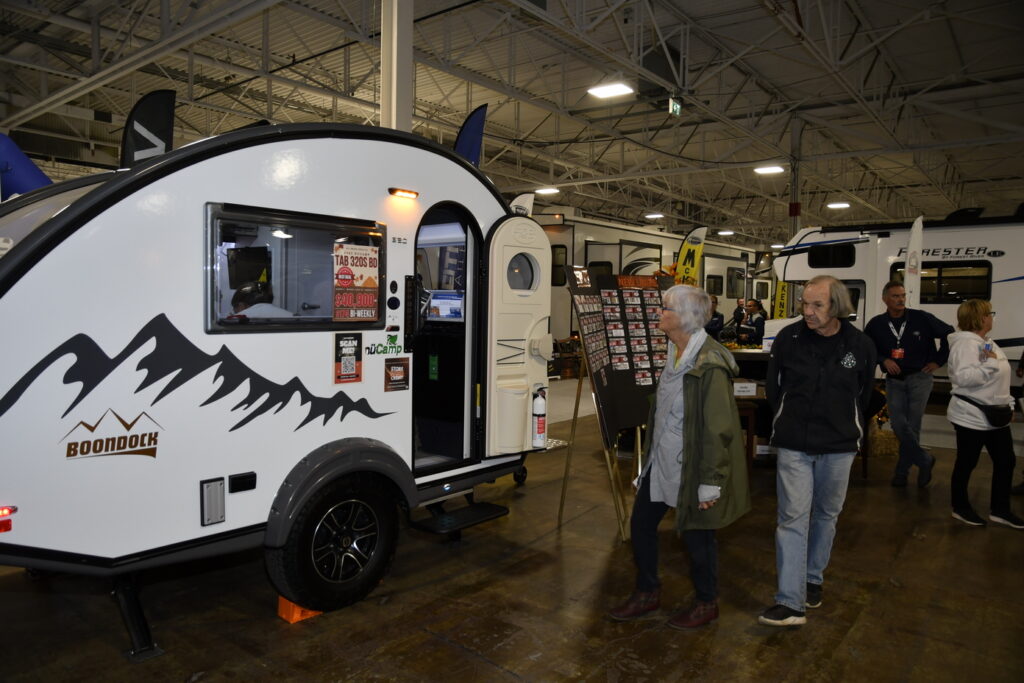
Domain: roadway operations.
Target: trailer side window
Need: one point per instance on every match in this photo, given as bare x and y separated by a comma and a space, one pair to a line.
832, 256
559, 257
713, 284
950, 282
284, 270
736, 283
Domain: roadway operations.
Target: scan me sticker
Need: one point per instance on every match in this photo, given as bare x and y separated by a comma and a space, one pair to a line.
348, 358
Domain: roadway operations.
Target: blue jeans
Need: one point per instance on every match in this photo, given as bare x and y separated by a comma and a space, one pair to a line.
907, 399
811, 490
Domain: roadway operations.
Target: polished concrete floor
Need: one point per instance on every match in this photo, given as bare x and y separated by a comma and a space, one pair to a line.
911, 595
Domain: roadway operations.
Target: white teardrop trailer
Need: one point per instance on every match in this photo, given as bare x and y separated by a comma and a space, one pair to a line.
278, 337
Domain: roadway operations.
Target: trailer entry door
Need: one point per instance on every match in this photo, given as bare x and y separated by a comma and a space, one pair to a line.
518, 333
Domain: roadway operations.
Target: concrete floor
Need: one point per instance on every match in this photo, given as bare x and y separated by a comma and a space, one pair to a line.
911, 595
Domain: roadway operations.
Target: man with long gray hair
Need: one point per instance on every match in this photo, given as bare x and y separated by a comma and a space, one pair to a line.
820, 377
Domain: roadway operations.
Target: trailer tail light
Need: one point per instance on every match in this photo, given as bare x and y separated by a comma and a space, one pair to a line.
5, 512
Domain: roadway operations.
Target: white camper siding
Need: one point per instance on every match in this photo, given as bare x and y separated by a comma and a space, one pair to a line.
144, 257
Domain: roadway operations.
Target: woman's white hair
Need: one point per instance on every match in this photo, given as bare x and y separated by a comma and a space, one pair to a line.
692, 305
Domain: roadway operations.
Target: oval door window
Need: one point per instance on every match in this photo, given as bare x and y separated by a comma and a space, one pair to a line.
521, 272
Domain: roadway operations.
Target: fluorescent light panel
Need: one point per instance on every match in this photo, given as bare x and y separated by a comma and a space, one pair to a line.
606, 90
838, 205
547, 190
769, 170
654, 216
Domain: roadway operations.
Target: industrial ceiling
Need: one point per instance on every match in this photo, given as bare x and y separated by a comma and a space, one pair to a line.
898, 107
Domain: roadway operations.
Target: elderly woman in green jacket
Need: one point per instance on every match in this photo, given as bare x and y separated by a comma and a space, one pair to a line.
695, 461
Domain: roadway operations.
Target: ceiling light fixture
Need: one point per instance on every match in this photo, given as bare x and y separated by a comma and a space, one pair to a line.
610, 89
725, 233
654, 216
769, 170
838, 205
778, 246
547, 190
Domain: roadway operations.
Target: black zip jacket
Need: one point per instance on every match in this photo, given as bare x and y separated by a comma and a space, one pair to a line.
819, 387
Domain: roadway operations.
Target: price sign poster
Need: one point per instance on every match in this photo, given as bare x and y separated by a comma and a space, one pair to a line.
356, 282
348, 358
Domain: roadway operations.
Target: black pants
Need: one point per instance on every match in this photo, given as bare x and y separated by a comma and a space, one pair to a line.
700, 546
999, 444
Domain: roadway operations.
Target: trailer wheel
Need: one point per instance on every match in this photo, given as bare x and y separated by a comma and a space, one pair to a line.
339, 548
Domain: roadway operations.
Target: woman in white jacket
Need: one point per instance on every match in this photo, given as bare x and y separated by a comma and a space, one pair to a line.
979, 370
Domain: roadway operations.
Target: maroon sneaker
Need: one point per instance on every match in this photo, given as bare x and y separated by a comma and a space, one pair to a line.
638, 604
700, 614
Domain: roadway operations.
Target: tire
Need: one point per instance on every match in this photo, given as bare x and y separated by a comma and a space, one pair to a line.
339, 547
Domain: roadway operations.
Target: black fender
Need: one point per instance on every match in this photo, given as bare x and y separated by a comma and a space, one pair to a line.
326, 464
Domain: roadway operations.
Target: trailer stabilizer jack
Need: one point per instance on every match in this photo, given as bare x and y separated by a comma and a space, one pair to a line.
126, 591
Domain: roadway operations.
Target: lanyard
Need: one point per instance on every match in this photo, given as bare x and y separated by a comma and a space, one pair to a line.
898, 335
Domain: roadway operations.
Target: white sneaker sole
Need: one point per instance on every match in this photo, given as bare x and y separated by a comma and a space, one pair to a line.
788, 621
967, 521
1000, 520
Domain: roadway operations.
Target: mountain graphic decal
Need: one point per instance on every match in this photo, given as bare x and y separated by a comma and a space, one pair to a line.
176, 355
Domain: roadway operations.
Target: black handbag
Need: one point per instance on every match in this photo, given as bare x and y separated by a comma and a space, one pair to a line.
997, 416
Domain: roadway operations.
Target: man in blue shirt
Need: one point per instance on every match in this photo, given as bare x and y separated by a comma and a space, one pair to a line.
905, 341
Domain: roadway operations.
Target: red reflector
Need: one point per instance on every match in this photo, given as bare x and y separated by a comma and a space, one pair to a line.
5, 525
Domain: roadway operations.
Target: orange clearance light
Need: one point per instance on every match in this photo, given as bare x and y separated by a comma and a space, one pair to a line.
399, 192
7, 510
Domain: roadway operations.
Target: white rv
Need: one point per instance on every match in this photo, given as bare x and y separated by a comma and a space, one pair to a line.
614, 248
278, 337
962, 259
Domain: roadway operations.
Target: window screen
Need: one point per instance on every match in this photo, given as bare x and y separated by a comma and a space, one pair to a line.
273, 270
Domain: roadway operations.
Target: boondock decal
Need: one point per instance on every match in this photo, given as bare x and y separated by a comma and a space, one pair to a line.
176, 357
140, 436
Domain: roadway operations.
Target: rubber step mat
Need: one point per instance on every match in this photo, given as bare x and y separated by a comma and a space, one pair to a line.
460, 518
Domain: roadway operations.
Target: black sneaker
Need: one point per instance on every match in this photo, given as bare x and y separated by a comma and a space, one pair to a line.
924, 474
814, 591
780, 615
899, 481
969, 517
1007, 518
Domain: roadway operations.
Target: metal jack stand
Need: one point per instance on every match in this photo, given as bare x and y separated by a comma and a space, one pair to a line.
126, 591
612, 464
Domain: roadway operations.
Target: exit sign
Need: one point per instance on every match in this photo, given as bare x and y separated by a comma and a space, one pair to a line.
675, 106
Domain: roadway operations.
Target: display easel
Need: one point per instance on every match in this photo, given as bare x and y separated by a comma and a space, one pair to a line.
614, 476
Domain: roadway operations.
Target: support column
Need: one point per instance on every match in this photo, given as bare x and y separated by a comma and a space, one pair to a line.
796, 132
396, 68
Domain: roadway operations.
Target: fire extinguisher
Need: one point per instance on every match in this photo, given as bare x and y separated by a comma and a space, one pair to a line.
540, 421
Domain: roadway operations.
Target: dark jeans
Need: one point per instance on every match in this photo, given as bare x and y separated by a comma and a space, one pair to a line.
999, 444
700, 546
907, 399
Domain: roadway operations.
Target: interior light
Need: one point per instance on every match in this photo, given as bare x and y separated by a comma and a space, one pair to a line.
778, 246
838, 205
726, 233
654, 216
282, 234
606, 90
547, 190
769, 170
399, 192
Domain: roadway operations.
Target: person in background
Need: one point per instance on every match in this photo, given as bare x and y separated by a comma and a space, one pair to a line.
256, 300
739, 313
696, 461
905, 343
717, 321
751, 331
1018, 490
980, 374
820, 378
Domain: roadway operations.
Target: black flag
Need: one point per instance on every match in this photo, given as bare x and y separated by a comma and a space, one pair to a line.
149, 131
